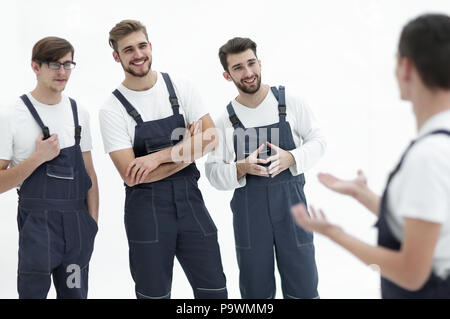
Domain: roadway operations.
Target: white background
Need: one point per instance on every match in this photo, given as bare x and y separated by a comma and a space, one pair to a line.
338, 55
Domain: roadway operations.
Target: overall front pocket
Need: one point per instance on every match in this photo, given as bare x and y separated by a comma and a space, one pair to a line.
297, 195
199, 210
141, 223
34, 250
239, 207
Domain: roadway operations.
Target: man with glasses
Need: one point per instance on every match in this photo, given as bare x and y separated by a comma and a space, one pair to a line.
45, 153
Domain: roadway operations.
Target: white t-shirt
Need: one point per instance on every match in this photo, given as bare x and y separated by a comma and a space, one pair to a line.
117, 126
308, 138
19, 130
421, 188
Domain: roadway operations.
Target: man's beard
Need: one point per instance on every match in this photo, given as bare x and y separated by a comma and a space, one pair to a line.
248, 90
139, 75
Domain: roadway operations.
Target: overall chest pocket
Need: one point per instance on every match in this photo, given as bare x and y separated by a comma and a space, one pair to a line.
156, 144
60, 181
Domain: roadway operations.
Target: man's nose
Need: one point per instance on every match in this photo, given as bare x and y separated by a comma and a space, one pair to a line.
139, 54
247, 72
61, 70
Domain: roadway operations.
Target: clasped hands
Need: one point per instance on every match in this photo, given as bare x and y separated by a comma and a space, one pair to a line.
281, 161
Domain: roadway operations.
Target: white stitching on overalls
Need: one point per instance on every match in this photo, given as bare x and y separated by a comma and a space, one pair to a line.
292, 297
247, 228
211, 289
48, 243
60, 177
193, 211
79, 232
154, 217
148, 297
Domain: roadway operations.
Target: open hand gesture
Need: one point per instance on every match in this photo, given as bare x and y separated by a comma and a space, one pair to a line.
350, 187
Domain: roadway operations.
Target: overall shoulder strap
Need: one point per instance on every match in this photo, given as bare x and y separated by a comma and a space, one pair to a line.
233, 117
29, 105
73, 104
172, 95
399, 165
275, 92
440, 131
130, 109
280, 95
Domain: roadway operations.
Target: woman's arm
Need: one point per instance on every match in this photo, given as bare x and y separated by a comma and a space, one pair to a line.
409, 267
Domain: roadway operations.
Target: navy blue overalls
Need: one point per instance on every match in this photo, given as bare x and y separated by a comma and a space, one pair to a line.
262, 218
56, 231
434, 287
168, 218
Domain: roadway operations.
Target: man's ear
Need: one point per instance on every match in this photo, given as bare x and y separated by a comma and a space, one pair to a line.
227, 76
406, 68
35, 67
116, 56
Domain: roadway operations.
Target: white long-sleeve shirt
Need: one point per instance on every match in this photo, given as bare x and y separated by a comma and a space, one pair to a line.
308, 138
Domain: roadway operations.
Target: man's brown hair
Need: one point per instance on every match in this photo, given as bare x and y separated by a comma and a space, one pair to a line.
124, 28
234, 46
51, 49
426, 42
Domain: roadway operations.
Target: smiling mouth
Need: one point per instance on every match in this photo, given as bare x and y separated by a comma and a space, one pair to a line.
251, 81
139, 63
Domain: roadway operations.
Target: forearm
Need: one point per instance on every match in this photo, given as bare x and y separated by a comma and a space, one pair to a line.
190, 149
165, 170
392, 264
92, 198
12, 177
368, 199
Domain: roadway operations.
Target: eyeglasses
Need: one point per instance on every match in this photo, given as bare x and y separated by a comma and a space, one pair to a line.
57, 65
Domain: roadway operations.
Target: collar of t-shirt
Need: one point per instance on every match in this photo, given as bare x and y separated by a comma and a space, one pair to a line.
264, 114
437, 121
38, 104
132, 93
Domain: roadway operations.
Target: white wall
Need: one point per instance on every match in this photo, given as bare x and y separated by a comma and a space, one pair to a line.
338, 55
